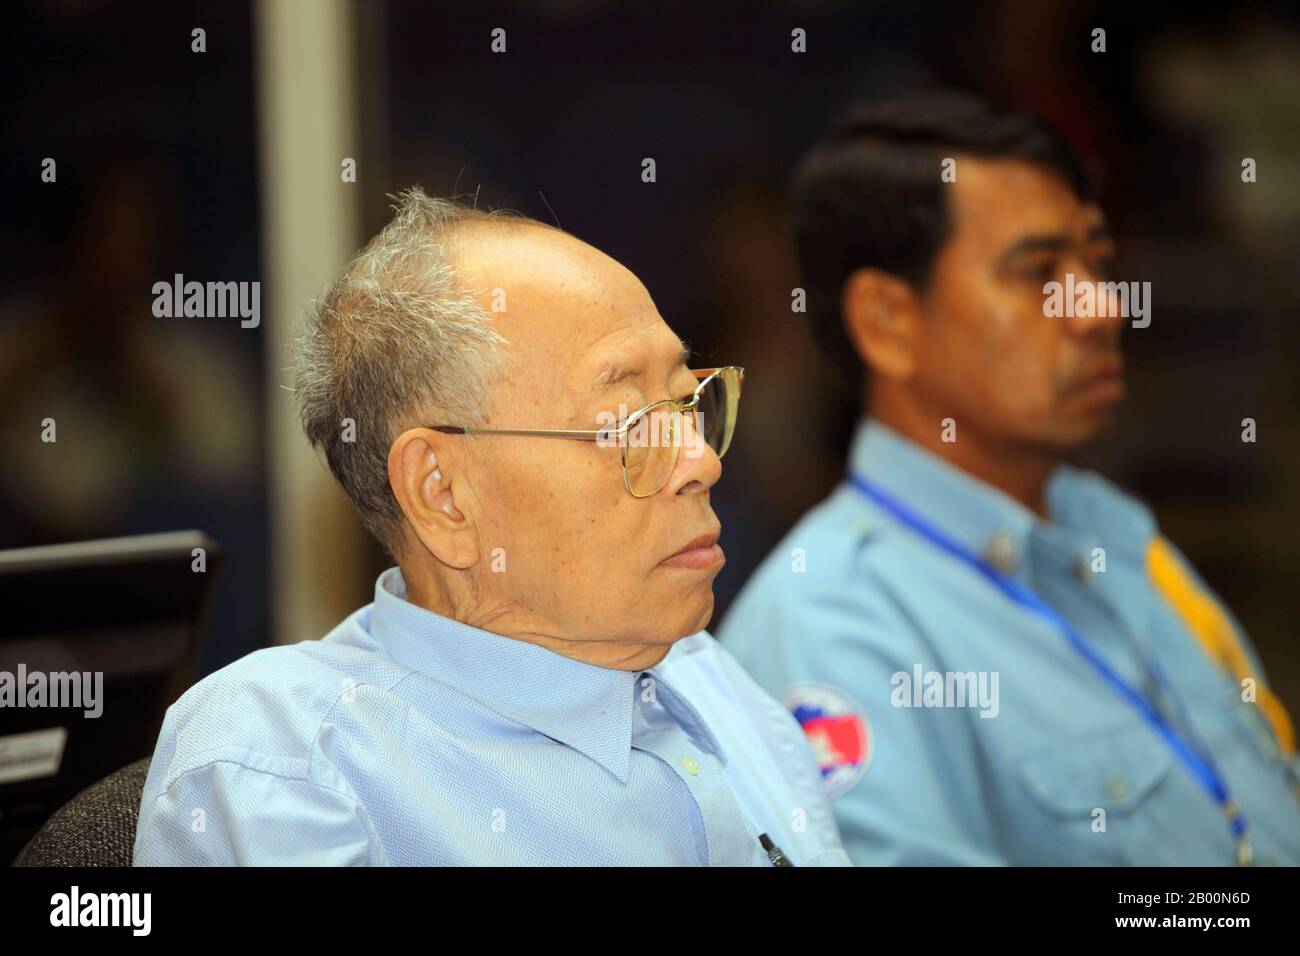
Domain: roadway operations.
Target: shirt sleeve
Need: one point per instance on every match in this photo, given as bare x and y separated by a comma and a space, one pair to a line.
920, 800
226, 814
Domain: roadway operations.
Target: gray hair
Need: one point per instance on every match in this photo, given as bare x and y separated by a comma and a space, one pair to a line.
394, 338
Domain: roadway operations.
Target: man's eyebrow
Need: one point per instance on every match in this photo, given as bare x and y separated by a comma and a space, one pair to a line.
1045, 243
615, 372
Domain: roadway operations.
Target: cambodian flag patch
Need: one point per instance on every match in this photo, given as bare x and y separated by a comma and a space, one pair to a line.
837, 732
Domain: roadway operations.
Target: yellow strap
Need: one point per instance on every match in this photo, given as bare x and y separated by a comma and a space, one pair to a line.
1205, 619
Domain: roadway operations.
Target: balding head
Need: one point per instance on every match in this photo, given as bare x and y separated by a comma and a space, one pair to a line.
452, 319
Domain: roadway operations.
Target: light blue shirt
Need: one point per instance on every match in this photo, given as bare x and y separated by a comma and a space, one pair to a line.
406, 738
853, 607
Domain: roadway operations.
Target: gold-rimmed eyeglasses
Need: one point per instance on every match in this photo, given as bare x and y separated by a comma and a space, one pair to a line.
651, 437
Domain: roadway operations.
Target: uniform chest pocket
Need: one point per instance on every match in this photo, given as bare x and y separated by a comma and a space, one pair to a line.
1113, 768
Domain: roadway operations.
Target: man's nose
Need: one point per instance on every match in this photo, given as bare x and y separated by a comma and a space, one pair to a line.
1109, 312
698, 467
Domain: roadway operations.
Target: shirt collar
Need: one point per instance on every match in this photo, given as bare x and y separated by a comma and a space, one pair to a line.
976, 515
1088, 503
678, 708
583, 706
1085, 509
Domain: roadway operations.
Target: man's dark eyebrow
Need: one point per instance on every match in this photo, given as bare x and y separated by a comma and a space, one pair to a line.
1030, 244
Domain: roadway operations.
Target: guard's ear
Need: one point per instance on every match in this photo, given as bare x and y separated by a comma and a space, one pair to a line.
883, 317
426, 472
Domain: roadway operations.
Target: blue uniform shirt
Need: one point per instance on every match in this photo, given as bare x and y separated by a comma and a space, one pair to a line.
862, 627
407, 738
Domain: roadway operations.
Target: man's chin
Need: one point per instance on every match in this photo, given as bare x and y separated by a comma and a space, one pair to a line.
1091, 428
1075, 430
698, 611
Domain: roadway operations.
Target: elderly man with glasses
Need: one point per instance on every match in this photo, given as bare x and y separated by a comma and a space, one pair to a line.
532, 684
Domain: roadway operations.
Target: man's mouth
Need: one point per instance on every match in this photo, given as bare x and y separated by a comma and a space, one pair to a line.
701, 553
1101, 383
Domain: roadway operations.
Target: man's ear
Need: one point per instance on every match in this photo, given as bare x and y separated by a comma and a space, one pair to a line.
883, 317
427, 475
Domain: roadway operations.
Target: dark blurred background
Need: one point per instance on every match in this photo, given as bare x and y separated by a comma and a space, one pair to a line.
167, 162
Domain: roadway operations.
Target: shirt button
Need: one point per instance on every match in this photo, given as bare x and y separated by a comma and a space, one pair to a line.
1116, 786
691, 766
1000, 551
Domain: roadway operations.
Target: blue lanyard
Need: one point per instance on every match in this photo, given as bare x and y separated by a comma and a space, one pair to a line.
1200, 767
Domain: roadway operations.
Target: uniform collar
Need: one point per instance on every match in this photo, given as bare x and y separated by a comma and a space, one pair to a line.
977, 516
1085, 509
583, 706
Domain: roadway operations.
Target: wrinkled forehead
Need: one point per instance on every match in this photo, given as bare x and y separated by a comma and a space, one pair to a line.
577, 322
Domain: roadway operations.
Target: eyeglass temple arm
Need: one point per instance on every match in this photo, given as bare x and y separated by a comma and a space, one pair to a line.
703, 374
540, 432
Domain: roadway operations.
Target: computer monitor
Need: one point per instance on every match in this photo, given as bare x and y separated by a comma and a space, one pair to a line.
97, 639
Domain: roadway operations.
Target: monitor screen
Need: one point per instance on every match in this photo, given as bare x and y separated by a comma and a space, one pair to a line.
97, 639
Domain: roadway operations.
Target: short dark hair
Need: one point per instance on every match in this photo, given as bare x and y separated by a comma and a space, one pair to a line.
870, 193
